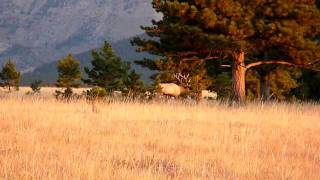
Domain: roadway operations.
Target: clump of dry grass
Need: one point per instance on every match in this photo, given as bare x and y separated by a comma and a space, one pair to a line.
49, 139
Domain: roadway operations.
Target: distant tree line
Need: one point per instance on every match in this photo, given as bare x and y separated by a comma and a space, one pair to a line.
108, 73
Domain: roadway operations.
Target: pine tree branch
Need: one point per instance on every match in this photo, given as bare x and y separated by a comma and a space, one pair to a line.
195, 53
281, 62
269, 62
195, 57
201, 59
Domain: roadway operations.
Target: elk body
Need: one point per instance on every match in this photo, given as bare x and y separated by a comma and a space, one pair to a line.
171, 89
175, 90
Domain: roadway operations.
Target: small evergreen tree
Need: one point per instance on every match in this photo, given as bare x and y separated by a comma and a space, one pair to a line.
96, 93
282, 81
155, 88
309, 88
223, 85
36, 86
134, 85
108, 71
9, 75
68, 76
275, 82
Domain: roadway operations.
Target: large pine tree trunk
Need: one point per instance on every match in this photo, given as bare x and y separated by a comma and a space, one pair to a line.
238, 78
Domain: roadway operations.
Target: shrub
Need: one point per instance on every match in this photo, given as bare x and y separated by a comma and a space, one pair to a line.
66, 94
96, 93
36, 86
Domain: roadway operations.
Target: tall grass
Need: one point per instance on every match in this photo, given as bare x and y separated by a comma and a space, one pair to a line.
49, 139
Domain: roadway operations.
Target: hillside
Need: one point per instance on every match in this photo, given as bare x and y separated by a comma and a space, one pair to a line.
48, 72
36, 32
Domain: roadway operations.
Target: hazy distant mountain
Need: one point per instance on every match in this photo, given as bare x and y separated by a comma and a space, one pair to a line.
35, 32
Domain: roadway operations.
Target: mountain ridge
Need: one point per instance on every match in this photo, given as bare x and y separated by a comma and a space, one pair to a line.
36, 32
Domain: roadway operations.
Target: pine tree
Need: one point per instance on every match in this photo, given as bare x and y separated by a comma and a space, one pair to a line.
245, 34
68, 75
221, 77
134, 85
309, 86
9, 75
108, 71
276, 82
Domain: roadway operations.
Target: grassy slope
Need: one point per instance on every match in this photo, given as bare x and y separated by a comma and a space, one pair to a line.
50, 139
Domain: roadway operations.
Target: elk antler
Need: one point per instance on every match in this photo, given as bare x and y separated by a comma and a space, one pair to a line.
183, 79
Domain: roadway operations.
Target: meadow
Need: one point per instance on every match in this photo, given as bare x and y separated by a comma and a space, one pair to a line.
42, 138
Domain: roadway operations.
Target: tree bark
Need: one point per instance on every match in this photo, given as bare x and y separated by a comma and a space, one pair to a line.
265, 88
238, 78
258, 89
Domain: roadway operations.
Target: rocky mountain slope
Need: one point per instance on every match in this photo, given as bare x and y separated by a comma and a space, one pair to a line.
35, 32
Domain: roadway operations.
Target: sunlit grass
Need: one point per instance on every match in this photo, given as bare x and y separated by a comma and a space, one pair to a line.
49, 139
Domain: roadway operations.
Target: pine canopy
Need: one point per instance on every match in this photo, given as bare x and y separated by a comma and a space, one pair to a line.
68, 72
9, 75
267, 32
203, 28
108, 70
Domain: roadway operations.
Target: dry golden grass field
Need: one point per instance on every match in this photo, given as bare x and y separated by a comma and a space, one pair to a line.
41, 138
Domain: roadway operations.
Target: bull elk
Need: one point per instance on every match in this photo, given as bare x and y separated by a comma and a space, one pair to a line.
172, 89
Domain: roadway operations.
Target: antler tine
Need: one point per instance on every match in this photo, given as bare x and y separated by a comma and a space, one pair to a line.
187, 76
188, 80
178, 77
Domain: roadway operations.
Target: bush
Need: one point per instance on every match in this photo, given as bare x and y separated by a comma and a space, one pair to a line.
96, 93
66, 94
36, 86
